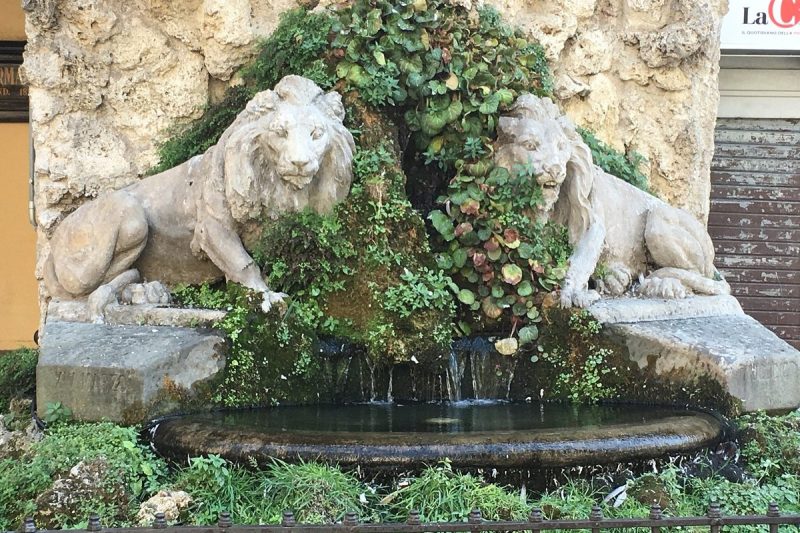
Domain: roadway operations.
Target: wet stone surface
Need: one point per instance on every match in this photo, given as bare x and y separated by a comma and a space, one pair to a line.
469, 434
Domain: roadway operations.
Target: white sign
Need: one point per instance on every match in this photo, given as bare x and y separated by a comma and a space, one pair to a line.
762, 25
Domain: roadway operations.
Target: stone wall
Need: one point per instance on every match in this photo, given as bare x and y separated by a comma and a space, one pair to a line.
109, 78
643, 75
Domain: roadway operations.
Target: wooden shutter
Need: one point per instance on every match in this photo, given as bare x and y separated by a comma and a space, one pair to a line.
755, 218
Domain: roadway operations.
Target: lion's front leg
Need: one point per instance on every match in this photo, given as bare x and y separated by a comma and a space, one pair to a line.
575, 289
224, 247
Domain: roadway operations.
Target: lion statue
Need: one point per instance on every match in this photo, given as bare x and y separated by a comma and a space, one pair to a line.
634, 235
286, 151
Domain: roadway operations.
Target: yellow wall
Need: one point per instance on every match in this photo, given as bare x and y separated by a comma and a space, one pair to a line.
19, 311
12, 21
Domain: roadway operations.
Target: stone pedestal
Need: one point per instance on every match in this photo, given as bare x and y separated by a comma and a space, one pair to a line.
125, 373
706, 337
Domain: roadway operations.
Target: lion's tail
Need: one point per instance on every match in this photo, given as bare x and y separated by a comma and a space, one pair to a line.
692, 280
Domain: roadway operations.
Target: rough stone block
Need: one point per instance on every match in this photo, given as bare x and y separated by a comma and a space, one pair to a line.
124, 373
750, 362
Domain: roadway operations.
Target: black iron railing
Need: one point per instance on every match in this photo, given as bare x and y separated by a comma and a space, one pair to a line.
596, 522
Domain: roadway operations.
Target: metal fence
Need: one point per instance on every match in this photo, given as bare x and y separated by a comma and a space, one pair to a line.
656, 523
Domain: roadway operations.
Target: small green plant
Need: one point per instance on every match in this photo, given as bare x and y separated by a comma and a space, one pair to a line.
57, 413
624, 166
202, 296
425, 289
316, 493
575, 354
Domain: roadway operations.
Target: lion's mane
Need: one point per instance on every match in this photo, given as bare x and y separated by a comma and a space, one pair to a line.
252, 185
574, 208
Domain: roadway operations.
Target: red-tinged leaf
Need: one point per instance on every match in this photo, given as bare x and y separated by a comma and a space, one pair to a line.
461, 229
470, 207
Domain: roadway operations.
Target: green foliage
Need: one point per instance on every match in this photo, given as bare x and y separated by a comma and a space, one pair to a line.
17, 374
425, 289
56, 413
364, 272
316, 493
297, 46
501, 257
623, 166
440, 494
202, 296
449, 69
204, 133
62, 447
771, 444
216, 485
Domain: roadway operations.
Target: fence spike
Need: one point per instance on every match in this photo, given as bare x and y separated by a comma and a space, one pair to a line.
475, 516
773, 509
536, 515
160, 521
350, 519
714, 510
29, 525
596, 514
288, 519
94, 523
224, 520
655, 512
413, 518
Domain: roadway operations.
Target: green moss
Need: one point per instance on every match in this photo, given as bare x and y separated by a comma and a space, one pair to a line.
576, 360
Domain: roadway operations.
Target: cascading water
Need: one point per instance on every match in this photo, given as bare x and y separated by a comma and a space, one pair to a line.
490, 374
455, 375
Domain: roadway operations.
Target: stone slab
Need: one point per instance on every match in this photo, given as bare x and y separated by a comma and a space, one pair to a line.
748, 360
135, 315
120, 373
631, 309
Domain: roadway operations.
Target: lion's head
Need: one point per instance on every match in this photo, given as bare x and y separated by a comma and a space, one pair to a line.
288, 150
535, 133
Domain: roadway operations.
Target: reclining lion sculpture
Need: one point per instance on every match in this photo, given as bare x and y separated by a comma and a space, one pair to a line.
610, 222
286, 151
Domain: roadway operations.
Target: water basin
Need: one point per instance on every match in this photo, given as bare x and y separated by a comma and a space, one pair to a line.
469, 434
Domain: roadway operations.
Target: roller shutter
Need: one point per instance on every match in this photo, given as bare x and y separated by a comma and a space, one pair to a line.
754, 219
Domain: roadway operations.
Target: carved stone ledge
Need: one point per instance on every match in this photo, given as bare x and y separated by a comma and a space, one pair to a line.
135, 315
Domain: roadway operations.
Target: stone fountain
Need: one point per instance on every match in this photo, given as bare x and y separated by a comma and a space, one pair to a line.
116, 346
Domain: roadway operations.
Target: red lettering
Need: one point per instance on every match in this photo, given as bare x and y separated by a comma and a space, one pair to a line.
784, 13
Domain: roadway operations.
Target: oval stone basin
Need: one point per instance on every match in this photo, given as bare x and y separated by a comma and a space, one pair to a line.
469, 434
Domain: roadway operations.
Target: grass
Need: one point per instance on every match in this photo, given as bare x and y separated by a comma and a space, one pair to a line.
320, 494
17, 374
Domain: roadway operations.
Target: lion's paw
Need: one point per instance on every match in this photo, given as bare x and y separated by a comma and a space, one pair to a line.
669, 288
101, 297
274, 299
153, 292
582, 298
616, 281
